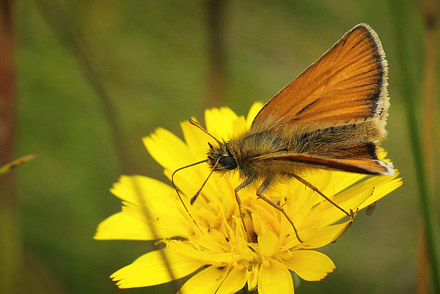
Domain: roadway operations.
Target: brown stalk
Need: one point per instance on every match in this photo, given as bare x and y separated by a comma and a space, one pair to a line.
10, 255
8, 101
216, 83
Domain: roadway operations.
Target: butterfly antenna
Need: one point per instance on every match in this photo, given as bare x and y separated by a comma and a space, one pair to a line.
196, 124
177, 189
193, 199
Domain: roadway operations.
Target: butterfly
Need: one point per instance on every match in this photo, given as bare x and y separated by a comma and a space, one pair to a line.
332, 116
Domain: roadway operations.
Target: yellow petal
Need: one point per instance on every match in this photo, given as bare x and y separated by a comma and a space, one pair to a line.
196, 140
121, 226
318, 237
342, 180
356, 197
205, 282
165, 225
389, 183
255, 109
158, 199
150, 212
252, 276
155, 195
219, 122
167, 149
235, 280
268, 242
382, 189
310, 265
150, 269
217, 257
264, 217
323, 236
351, 198
239, 126
274, 278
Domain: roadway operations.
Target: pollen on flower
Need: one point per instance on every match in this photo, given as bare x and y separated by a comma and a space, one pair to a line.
213, 242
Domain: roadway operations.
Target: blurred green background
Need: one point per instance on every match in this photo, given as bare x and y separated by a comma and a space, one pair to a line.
154, 60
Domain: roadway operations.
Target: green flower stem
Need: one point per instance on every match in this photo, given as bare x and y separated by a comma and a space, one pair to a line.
408, 94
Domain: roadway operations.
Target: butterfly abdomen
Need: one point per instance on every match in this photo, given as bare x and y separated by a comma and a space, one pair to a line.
356, 140
337, 141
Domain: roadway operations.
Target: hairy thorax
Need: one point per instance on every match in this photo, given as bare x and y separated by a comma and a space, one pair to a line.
247, 148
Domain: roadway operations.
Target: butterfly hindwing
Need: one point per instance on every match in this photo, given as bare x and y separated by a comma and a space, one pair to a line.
363, 166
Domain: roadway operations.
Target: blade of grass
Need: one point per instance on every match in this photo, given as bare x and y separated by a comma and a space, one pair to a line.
70, 36
9, 166
430, 15
399, 13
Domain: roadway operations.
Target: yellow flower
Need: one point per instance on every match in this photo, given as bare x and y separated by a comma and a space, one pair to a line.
214, 242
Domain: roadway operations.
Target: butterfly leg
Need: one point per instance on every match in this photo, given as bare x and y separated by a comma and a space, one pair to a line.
239, 187
306, 183
260, 191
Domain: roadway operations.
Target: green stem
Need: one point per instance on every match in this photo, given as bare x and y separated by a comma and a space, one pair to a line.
408, 93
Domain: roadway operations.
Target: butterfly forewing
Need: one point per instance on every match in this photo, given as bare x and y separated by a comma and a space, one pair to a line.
348, 83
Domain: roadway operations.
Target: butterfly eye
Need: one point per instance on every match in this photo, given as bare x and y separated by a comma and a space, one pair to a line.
228, 162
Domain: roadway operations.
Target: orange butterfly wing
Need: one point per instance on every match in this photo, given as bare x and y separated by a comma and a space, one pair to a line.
363, 166
346, 86
348, 83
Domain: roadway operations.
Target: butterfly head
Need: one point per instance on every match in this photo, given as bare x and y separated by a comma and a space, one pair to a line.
220, 158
